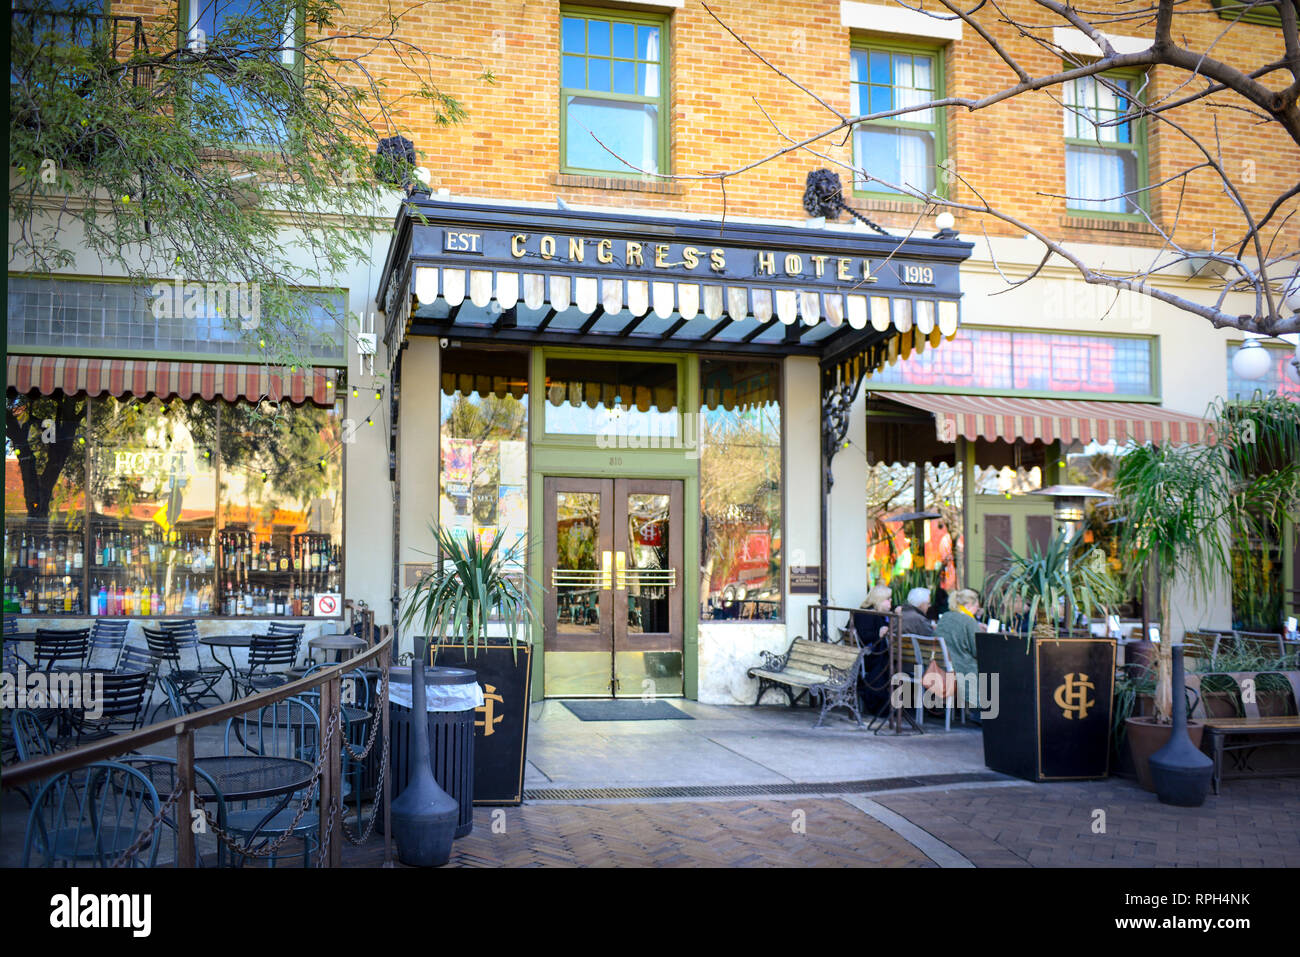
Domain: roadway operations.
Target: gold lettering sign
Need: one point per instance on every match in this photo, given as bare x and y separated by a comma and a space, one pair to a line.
577, 249
488, 707
819, 265
1072, 696
633, 257
605, 251
766, 264
547, 247
661, 255
691, 256
717, 260
793, 264
842, 270
517, 244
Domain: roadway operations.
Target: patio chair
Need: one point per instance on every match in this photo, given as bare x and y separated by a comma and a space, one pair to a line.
107, 636
122, 705
61, 649
161, 772
355, 687
1261, 644
291, 729
193, 681
91, 815
1202, 645
268, 656
917, 653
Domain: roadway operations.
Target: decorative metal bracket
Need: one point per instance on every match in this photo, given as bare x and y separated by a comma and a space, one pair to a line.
837, 405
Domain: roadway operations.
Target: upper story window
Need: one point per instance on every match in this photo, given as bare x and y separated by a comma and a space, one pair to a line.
906, 149
1105, 149
614, 87
246, 28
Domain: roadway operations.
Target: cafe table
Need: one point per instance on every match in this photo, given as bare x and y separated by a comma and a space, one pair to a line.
339, 644
255, 777
230, 643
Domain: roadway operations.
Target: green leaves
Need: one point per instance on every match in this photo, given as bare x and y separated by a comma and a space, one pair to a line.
471, 585
1041, 580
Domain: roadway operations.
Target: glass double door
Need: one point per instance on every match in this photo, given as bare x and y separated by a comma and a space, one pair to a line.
613, 574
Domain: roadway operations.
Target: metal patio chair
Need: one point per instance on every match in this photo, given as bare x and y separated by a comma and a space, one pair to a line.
91, 816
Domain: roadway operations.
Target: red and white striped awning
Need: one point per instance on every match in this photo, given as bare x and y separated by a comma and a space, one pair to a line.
1051, 420
166, 380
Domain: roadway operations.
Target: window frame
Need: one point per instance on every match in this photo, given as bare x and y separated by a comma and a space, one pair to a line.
185, 12
1139, 78
935, 51
663, 100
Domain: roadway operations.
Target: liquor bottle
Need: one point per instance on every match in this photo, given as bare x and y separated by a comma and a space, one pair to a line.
79, 557
284, 560
315, 556
67, 599
146, 599
38, 559
248, 601
101, 600
22, 552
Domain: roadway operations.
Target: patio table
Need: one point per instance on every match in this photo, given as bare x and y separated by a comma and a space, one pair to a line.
230, 643
255, 777
337, 644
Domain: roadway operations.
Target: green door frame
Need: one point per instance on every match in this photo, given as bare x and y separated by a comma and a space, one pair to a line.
582, 457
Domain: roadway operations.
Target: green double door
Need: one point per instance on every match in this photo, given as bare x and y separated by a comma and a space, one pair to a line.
613, 573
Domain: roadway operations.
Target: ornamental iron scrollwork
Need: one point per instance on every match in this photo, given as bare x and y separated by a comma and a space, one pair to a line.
837, 405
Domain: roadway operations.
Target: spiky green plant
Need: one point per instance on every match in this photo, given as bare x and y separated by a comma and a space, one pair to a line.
1043, 578
471, 584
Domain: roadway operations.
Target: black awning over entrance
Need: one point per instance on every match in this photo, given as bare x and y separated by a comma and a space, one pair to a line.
604, 280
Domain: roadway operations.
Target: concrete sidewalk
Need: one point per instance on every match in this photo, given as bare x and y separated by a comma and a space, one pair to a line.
730, 746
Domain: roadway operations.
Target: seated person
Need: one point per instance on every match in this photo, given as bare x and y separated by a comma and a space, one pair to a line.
915, 621
872, 629
958, 629
868, 624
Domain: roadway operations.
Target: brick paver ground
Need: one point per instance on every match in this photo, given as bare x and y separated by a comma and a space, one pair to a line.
677, 834
1252, 823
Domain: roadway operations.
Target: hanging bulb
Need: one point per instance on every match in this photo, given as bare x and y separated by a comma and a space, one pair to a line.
378, 395
264, 476
355, 392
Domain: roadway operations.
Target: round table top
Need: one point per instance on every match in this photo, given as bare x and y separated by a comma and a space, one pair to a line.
247, 777
434, 675
337, 642
227, 641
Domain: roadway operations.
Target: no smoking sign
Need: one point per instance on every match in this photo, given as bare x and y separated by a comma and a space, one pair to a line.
328, 605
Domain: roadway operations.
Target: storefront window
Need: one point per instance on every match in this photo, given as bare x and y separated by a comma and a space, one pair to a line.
740, 490
611, 399
281, 538
907, 546
484, 441
112, 507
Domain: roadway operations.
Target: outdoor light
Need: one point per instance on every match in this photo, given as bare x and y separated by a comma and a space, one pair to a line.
1251, 361
1068, 500
355, 392
1292, 368
1291, 292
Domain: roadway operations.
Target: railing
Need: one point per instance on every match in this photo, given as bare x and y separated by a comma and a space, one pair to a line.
327, 680
124, 36
820, 629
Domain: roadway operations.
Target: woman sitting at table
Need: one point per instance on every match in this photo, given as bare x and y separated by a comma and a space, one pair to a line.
872, 628
958, 629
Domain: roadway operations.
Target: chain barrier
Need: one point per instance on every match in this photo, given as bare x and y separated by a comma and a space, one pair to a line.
144, 838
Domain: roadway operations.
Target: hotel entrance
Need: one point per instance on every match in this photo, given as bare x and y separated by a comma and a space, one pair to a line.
613, 574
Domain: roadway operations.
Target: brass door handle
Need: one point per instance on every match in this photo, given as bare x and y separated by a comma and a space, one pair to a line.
621, 567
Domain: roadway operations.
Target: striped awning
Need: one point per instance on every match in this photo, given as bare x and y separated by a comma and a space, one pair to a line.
1052, 420
166, 380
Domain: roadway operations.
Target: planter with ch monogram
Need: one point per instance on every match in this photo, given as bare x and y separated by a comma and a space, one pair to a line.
1053, 706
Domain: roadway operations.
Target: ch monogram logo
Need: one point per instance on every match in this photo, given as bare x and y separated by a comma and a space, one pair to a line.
488, 707
1072, 696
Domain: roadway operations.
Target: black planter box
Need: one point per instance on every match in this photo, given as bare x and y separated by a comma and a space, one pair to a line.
1055, 698
501, 724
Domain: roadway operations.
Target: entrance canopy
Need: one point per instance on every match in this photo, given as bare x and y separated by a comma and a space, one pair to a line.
602, 280
1050, 420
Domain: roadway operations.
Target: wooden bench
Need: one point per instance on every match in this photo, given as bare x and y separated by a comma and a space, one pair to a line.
1258, 730
816, 669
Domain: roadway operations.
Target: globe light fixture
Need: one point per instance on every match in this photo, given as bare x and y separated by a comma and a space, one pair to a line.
1251, 361
1292, 368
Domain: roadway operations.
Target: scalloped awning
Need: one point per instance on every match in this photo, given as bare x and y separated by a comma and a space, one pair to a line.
185, 380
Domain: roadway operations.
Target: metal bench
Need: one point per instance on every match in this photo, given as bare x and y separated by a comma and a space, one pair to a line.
815, 669
1258, 730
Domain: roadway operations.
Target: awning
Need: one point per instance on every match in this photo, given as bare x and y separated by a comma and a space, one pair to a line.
1051, 420
166, 380
603, 280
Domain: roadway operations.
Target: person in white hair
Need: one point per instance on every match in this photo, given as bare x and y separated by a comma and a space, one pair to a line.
913, 613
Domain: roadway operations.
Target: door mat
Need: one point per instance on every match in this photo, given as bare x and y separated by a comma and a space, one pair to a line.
626, 711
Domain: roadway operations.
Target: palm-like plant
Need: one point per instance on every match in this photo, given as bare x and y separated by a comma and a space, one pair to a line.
470, 585
1185, 507
1043, 578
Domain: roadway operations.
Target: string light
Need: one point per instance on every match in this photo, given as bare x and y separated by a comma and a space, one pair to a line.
355, 392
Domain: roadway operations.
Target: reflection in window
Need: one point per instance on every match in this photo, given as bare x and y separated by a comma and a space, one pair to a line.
895, 553
281, 502
45, 475
740, 489
624, 403
484, 441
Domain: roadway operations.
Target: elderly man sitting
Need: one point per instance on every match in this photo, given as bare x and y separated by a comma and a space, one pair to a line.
913, 613
958, 629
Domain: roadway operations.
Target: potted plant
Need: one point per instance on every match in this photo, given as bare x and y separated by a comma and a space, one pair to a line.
476, 607
1184, 509
1053, 713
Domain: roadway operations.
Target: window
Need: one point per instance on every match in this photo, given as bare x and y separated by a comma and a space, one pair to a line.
154, 508
612, 400
1105, 152
252, 115
1276, 379
485, 444
906, 149
613, 79
997, 360
740, 490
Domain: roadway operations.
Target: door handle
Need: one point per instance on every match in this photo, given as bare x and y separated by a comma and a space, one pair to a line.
620, 578
606, 574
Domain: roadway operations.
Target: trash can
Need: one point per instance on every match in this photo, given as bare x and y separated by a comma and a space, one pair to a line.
453, 694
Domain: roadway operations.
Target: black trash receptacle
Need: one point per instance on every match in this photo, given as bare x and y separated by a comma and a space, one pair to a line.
451, 739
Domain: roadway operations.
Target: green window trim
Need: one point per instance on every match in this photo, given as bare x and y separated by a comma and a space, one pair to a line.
661, 100
1262, 14
1138, 146
938, 126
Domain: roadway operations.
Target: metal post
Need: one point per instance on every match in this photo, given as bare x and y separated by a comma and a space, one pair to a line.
185, 849
386, 663
331, 775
